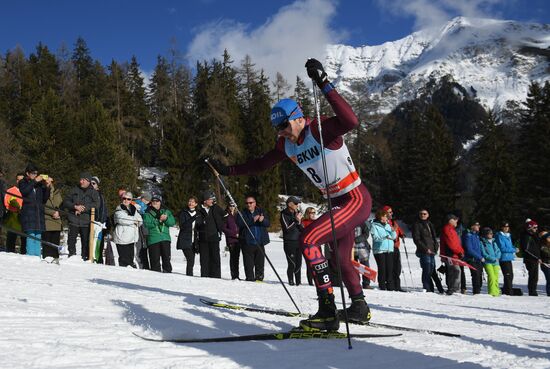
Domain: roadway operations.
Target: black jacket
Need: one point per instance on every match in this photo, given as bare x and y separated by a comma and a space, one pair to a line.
209, 224
362, 233
424, 237
185, 237
529, 246
35, 194
79, 196
3, 188
290, 225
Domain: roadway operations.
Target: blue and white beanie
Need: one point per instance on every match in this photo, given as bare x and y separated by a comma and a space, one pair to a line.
285, 109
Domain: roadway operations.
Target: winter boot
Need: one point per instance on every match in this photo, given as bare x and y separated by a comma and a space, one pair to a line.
326, 319
358, 312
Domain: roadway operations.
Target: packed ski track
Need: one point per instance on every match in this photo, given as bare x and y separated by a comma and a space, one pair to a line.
80, 315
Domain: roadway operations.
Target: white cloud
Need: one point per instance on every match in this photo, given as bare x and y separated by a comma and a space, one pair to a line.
282, 44
430, 13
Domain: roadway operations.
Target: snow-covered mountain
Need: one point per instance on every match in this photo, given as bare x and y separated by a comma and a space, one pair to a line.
494, 59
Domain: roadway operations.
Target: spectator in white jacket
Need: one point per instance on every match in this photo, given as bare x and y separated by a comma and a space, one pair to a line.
126, 221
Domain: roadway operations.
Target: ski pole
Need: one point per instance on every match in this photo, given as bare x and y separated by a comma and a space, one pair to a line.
218, 176
332, 225
408, 262
23, 234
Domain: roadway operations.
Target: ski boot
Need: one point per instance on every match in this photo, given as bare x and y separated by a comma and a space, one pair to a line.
358, 312
326, 319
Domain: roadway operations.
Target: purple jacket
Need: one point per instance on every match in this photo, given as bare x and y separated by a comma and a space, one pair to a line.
230, 229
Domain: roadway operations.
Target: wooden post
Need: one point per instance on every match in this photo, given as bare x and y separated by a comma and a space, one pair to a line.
91, 242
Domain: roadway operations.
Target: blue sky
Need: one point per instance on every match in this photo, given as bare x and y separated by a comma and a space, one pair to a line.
267, 30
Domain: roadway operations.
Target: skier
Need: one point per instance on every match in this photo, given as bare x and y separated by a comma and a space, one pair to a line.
299, 140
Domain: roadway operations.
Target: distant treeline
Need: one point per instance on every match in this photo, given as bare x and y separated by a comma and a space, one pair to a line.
66, 112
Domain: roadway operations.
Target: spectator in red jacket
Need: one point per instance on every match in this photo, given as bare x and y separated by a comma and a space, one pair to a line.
396, 243
451, 247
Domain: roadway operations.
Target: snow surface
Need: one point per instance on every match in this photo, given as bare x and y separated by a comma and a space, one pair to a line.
81, 315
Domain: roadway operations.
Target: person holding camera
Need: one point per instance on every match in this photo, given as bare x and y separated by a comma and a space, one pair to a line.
187, 237
291, 225
36, 192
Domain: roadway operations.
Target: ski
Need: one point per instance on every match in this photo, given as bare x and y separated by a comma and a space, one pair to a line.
274, 336
223, 305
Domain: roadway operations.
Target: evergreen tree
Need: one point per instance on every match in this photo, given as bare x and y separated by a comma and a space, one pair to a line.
14, 91
534, 155
44, 67
495, 190
303, 96
280, 87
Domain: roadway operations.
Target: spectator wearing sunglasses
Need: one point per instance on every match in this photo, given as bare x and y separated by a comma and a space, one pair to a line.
158, 220
127, 221
291, 224
425, 239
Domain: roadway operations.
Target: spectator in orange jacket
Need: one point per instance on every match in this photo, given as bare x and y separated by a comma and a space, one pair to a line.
450, 246
396, 243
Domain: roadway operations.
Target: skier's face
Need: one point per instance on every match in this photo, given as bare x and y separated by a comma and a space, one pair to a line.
293, 130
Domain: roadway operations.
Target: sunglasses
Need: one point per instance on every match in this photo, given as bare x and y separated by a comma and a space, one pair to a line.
127, 199
285, 123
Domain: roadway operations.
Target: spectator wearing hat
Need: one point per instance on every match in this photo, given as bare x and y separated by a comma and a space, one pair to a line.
362, 249
544, 238
126, 221
383, 237
101, 216
187, 237
54, 225
396, 244
141, 247
507, 255
231, 232
452, 248
473, 255
491, 256
425, 239
309, 217
79, 203
35, 192
253, 234
13, 201
291, 225
210, 227
530, 248
158, 220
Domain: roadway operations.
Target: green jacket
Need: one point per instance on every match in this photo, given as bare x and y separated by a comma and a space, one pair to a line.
54, 202
158, 231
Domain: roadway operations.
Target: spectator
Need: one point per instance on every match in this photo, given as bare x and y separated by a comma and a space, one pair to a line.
452, 248
460, 229
158, 220
231, 231
491, 256
309, 216
79, 202
362, 249
54, 225
126, 221
544, 237
13, 201
508, 254
210, 227
474, 256
425, 239
101, 216
143, 259
396, 253
187, 237
253, 234
530, 247
3, 189
291, 225
383, 237
36, 193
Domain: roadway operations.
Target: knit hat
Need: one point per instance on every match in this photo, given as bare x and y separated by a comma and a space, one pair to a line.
156, 196
95, 179
146, 196
449, 217
285, 109
485, 231
31, 168
531, 224
293, 199
207, 195
87, 176
387, 208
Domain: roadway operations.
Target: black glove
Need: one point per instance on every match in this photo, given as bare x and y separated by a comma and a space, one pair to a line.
221, 168
316, 72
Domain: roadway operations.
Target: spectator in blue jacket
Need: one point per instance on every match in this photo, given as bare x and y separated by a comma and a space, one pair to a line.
253, 239
473, 256
508, 252
383, 236
491, 254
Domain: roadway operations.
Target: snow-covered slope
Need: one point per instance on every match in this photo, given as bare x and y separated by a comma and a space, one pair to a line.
497, 58
79, 315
